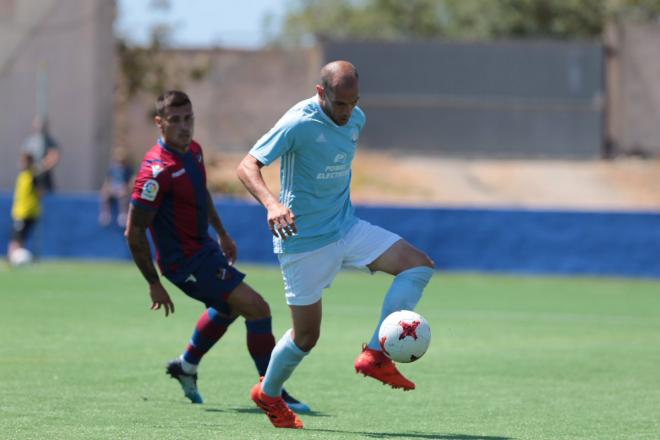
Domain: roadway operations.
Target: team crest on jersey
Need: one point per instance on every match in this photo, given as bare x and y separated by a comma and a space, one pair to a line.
150, 190
199, 158
354, 135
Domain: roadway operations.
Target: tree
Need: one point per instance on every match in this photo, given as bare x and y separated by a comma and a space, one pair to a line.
462, 19
149, 71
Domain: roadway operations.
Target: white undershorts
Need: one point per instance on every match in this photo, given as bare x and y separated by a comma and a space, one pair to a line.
306, 274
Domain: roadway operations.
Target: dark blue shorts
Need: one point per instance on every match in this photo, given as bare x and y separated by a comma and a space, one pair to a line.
212, 282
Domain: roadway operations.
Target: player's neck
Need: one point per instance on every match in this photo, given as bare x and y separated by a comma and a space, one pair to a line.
179, 148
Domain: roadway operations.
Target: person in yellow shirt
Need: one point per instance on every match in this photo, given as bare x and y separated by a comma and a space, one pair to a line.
26, 208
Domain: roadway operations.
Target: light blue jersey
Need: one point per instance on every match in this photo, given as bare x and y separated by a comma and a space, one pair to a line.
315, 172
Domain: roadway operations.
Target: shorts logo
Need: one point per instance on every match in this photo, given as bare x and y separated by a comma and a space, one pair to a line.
150, 190
223, 274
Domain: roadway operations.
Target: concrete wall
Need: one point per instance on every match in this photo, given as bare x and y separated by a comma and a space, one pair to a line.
492, 240
633, 88
243, 94
71, 43
514, 99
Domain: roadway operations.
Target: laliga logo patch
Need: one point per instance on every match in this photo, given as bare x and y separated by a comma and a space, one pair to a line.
150, 190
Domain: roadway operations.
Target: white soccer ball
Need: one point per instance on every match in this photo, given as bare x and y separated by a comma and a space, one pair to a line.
404, 336
20, 257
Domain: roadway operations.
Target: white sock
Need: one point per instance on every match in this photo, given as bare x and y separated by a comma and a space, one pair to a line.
283, 360
187, 367
404, 294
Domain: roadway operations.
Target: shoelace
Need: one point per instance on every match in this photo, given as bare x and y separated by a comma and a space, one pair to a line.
278, 408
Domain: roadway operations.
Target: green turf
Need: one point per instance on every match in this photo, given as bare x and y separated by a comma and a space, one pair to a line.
82, 357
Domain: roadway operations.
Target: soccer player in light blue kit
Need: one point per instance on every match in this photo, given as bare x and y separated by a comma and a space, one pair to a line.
316, 232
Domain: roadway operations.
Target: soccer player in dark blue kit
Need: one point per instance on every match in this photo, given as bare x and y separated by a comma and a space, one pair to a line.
171, 200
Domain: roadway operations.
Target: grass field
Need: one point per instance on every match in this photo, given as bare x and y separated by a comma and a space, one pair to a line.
82, 357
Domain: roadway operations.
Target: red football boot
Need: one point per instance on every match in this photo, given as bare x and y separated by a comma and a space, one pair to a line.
275, 408
375, 364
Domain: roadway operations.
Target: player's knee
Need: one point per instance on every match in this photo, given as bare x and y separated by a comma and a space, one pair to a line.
306, 340
257, 308
426, 261
249, 303
260, 307
418, 259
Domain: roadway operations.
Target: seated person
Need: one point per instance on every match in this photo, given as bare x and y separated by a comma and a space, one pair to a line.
116, 189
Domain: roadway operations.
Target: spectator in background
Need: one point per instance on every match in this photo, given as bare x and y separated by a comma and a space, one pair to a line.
116, 188
45, 152
25, 210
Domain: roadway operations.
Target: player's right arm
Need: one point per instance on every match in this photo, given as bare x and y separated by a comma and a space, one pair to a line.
139, 220
277, 142
281, 219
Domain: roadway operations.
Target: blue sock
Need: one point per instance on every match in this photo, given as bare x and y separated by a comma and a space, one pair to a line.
404, 294
285, 358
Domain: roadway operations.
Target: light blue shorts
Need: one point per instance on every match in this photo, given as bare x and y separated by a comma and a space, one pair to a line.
306, 274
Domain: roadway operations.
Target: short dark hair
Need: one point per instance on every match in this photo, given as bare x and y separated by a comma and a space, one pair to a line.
28, 158
171, 98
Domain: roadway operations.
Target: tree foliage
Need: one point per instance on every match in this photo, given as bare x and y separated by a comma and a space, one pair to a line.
150, 68
461, 19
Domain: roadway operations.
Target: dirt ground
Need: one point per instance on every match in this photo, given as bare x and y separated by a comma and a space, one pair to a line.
381, 178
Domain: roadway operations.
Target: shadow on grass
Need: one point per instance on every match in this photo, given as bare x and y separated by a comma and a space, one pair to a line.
254, 410
420, 435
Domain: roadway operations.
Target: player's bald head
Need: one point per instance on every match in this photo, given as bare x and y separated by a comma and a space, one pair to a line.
339, 74
338, 92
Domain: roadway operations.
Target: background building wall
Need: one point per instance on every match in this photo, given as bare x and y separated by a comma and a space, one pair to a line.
69, 44
505, 99
634, 88
240, 98
487, 99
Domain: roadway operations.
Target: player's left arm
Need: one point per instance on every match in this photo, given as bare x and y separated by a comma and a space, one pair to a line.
227, 244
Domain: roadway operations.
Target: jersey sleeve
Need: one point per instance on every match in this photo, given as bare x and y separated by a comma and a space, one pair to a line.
199, 154
362, 118
277, 142
151, 184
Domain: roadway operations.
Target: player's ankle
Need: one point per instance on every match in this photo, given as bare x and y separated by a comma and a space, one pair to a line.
266, 398
187, 367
